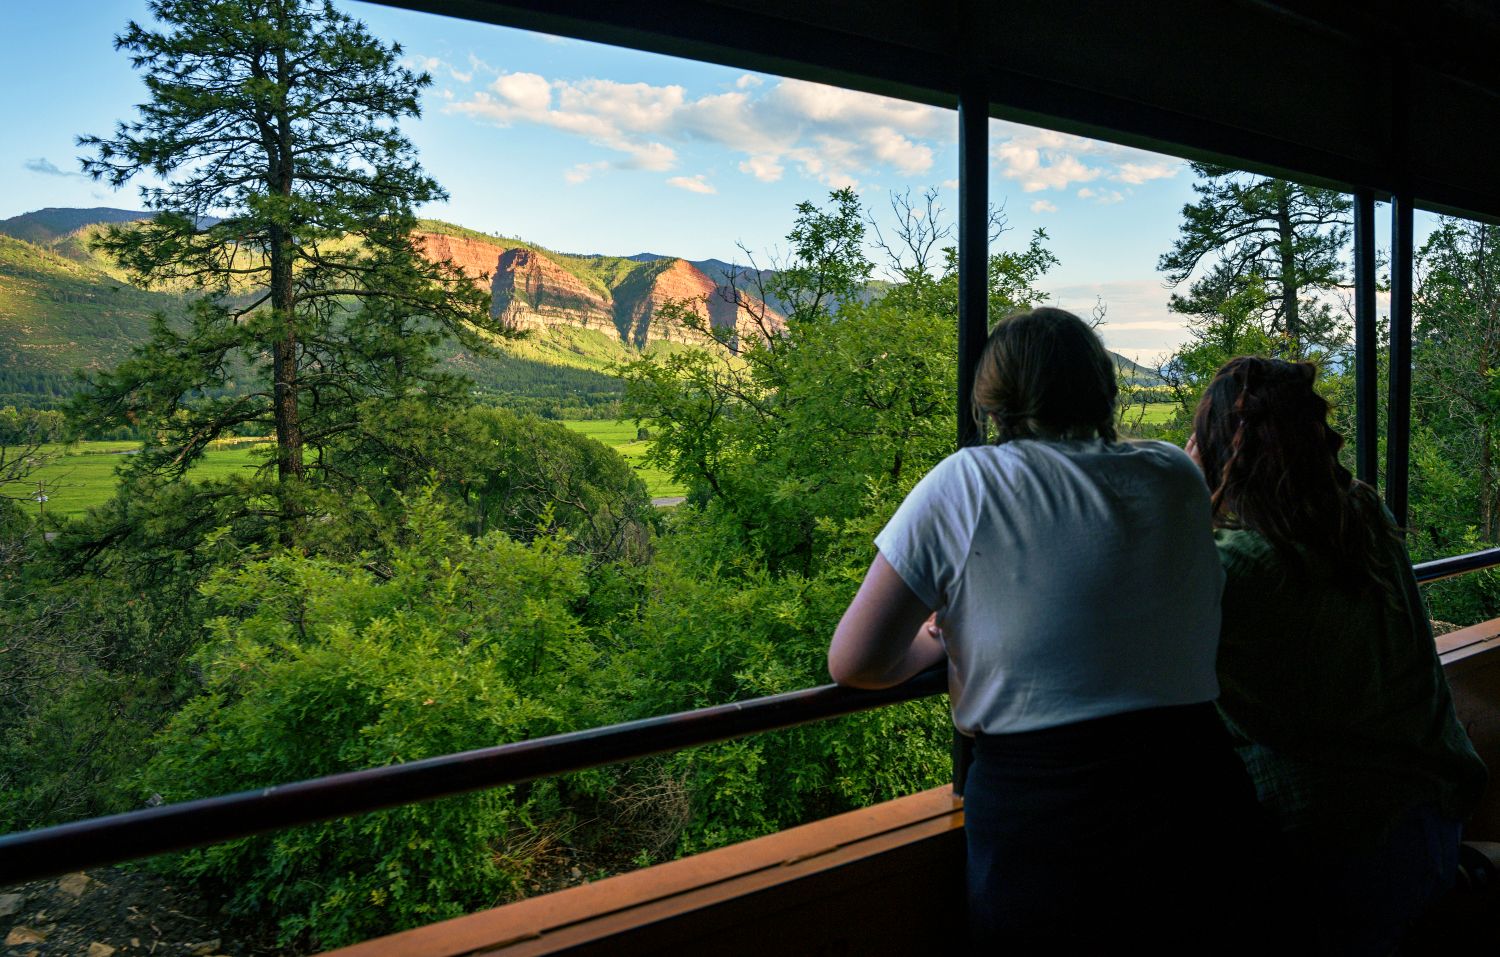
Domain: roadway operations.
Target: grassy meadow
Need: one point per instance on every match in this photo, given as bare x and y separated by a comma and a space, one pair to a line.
621, 436
82, 475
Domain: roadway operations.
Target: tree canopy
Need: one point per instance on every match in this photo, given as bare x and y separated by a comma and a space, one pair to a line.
1278, 239
283, 193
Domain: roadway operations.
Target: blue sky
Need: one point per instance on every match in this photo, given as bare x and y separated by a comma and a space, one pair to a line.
589, 148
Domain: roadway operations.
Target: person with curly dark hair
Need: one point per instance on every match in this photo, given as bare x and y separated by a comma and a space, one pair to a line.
1069, 581
1330, 681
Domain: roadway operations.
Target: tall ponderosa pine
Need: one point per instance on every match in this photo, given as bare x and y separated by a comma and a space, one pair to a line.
1456, 384
1282, 237
285, 198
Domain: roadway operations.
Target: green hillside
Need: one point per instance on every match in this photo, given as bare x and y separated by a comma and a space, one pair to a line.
52, 223
58, 315
64, 306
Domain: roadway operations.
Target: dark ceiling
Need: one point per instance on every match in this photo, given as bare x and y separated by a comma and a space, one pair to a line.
1389, 96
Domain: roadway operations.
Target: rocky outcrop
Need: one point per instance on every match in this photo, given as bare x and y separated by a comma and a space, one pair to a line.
533, 290
475, 257
729, 313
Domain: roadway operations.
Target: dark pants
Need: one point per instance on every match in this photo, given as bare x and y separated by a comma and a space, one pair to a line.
1360, 903
1135, 831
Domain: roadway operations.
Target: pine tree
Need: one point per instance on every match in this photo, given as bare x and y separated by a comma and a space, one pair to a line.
1262, 232
283, 193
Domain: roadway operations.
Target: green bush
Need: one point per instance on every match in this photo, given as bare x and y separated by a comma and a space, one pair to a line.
318, 666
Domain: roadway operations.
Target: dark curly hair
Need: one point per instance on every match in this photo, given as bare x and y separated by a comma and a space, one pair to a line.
1271, 461
1045, 374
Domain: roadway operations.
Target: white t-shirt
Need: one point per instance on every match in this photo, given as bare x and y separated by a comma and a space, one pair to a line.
1073, 579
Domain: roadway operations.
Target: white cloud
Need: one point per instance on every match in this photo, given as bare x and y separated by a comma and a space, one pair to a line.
1045, 160
906, 155
763, 168
825, 133
432, 64
1138, 173
1043, 206
582, 171
1037, 161
950, 184
528, 94
1101, 197
693, 184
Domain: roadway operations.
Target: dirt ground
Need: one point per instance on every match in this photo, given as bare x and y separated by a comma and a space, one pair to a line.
111, 912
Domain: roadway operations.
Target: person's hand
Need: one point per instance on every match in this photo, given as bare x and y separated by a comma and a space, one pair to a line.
1192, 450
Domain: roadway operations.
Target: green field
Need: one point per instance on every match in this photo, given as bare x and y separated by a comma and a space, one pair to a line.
1157, 413
621, 436
80, 476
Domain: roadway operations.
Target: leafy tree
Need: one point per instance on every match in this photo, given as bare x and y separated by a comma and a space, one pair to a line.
316, 666
1231, 329
1456, 406
507, 472
285, 197
853, 398
1253, 230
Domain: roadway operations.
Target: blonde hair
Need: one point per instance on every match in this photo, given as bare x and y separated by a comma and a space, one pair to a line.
1045, 374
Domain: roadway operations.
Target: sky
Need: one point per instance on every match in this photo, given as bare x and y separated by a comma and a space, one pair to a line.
586, 148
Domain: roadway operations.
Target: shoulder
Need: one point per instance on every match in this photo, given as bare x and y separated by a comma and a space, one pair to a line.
1168, 456
1244, 552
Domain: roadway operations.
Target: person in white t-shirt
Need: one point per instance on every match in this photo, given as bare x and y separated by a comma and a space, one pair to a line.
1071, 582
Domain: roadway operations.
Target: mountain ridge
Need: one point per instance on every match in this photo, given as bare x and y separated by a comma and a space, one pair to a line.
64, 306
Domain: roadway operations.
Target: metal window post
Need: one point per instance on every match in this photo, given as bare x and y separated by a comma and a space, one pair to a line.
1398, 405
973, 292
1366, 362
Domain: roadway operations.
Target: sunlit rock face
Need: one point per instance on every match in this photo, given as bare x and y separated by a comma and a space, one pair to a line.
534, 290
730, 313
476, 258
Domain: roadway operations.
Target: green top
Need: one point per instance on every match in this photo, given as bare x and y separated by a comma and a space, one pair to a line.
1336, 700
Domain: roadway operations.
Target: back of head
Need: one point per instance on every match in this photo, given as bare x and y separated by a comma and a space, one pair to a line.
1271, 462
1045, 374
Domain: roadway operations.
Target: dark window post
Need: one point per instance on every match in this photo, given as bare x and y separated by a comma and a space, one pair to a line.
1366, 368
1398, 406
973, 291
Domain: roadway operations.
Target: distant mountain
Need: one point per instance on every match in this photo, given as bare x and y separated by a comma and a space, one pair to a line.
58, 315
64, 306
621, 296
1134, 372
46, 225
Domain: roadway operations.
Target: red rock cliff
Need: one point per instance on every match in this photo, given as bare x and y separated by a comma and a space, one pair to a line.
477, 258
532, 291
683, 282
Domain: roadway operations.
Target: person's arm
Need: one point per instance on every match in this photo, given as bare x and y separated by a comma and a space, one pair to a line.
885, 636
